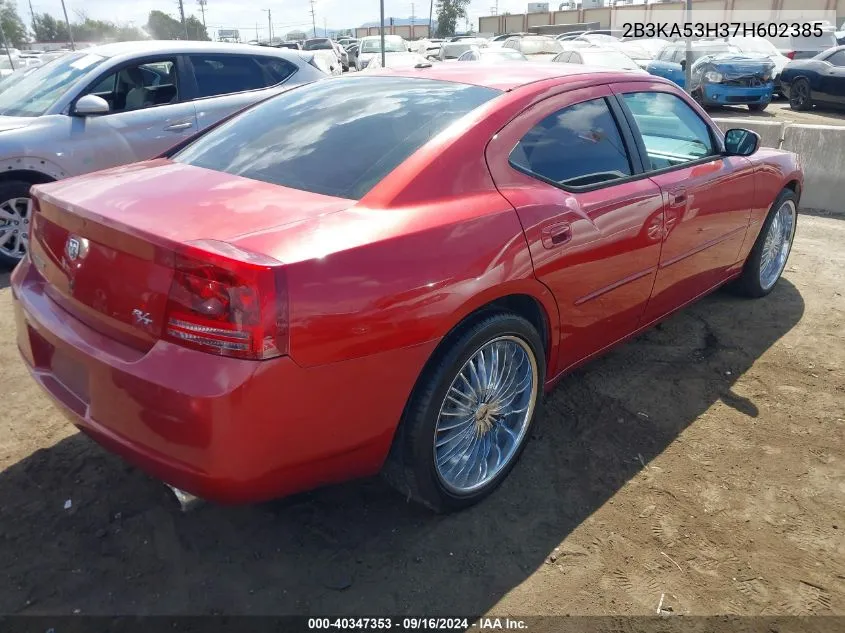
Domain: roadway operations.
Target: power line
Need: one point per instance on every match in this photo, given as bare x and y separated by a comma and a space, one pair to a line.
202, 4
181, 15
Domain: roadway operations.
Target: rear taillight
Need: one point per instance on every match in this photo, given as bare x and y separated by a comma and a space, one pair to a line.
790, 54
229, 302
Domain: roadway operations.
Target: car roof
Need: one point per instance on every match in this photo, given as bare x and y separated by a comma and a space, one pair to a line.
151, 47
500, 76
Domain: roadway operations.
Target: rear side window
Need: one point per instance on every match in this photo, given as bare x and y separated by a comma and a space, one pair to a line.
837, 59
578, 146
225, 74
276, 70
338, 137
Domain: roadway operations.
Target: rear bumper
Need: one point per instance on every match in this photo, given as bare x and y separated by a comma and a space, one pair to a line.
224, 429
721, 94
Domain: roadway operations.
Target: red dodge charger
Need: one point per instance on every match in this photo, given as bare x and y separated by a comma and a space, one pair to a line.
384, 272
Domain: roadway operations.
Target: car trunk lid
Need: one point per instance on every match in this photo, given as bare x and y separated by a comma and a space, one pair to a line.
106, 243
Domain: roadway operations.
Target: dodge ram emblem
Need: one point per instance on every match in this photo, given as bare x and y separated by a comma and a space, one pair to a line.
76, 248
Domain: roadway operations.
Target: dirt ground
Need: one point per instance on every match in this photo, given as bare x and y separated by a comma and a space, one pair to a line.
703, 463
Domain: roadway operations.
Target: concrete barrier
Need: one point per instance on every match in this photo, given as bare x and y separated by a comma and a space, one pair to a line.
822, 148
771, 132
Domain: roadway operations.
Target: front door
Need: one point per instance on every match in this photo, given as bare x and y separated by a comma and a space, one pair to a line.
593, 227
147, 116
708, 196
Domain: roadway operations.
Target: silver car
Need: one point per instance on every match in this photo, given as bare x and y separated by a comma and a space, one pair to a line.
120, 103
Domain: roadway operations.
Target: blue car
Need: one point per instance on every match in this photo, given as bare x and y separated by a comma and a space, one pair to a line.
721, 74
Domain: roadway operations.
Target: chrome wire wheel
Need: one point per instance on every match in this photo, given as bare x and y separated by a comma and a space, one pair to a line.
485, 415
777, 244
14, 226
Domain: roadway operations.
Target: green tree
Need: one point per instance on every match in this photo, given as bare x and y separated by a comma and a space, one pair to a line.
47, 29
162, 27
196, 30
13, 27
448, 14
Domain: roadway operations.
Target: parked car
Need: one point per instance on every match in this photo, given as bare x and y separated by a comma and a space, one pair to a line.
816, 81
762, 46
451, 51
352, 52
641, 51
499, 40
193, 313
371, 46
430, 49
398, 60
492, 55
539, 48
335, 57
601, 58
119, 103
806, 47
599, 39
296, 46
721, 74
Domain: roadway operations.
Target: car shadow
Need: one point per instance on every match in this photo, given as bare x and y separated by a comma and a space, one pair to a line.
123, 547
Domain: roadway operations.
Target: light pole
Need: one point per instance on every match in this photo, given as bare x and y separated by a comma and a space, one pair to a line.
430, 14
269, 26
383, 57
69, 32
6, 46
202, 4
688, 64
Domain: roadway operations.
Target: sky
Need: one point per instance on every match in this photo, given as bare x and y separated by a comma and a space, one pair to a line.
287, 15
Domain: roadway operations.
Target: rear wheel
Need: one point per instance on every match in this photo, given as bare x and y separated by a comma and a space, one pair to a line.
15, 211
800, 97
767, 259
470, 414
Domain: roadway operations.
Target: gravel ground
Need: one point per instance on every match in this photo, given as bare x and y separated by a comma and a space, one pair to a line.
780, 111
703, 463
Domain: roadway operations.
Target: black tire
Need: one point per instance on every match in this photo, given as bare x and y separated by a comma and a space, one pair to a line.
800, 94
757, 107
749, 284
10, 190
410, 466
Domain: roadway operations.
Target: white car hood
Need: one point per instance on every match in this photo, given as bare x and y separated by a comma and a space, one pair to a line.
14, 122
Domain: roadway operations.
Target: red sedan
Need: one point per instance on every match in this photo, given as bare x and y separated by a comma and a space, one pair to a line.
383, 272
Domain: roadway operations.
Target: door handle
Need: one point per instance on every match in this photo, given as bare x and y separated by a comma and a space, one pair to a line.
677, 197
556, 234
178, 127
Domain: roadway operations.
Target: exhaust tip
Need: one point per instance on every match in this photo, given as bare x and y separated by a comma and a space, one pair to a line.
186, 500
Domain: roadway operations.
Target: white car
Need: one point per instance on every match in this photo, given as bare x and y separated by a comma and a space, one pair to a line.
121, 103
602, 58
537, 48
451, 51
371, 46
399, 60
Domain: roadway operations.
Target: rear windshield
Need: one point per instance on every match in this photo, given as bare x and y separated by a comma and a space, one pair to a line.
338, 137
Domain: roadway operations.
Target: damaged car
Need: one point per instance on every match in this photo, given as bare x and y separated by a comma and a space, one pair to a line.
721, 74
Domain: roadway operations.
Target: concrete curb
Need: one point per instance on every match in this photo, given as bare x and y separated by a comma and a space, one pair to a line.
822, 151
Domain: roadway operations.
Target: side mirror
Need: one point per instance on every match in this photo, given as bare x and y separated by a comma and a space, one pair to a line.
90, 105
740, 142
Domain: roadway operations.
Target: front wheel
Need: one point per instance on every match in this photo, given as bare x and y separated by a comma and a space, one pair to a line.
767, 259
470, 414
15, 212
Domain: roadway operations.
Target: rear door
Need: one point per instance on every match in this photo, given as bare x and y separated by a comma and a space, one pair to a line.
226, 83
708, 196
569, 167
148, 115
832, 83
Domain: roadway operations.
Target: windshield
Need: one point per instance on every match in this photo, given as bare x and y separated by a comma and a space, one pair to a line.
453, 51
40, 89
607, 59
754, 45
712, 50
539, 46
317, 45
297, 138
391, 45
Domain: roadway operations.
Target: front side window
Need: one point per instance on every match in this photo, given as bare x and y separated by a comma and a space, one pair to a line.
302, 138
672, 132
225, 74
578, 146
137, 87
